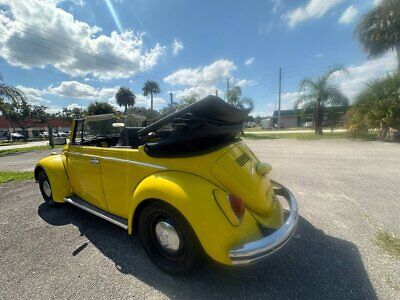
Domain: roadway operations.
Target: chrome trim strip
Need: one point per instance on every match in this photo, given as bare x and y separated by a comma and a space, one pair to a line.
96, 213
81, 154
133, 162
256, 250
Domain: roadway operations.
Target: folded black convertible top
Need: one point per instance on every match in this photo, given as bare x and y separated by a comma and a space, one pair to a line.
201, 126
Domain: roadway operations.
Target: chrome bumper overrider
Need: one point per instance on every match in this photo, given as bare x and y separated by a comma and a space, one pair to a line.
253, 251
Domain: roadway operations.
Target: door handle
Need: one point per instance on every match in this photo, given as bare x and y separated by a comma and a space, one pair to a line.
94, 161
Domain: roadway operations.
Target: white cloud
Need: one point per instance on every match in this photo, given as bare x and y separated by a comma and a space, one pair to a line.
77, 90
34, 96
53, 37
355, 80
203, 76
348, 15
73, 105
202, 80
249, 61
359, 75
245, 82
196, 90
177, 46
276, 5
377, 2
314, 9
73, 89
265, 28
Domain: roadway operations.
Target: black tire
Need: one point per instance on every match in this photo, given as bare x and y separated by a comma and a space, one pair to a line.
48, 198
176, 262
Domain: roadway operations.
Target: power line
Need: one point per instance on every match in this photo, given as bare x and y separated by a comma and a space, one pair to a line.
65, 38
112, 64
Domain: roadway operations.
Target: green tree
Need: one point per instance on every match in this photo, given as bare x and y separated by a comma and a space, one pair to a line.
318, 94
335, 114
378, 107
125, 97
151, 87
99, 108
143, 111
379, 30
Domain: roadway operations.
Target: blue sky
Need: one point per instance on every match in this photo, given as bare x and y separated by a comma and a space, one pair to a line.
73, 52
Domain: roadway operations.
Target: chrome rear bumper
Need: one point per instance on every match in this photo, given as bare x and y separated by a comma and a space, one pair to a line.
256, 250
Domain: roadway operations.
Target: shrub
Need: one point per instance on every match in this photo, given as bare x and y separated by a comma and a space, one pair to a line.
377, 107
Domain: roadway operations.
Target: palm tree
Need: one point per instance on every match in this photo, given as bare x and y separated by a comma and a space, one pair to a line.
318, 94
8, 92
14, 106
151, 87
379, 29
235, 99
378, 107
125, 97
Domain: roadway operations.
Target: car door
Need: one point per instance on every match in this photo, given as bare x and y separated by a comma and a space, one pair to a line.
84, 168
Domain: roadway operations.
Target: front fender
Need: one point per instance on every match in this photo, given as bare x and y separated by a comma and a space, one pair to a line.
193, 197
53, 165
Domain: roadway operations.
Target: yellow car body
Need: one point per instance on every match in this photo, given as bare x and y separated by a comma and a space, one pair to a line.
122, 181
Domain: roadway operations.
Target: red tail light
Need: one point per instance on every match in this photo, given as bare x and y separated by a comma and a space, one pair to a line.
237, 206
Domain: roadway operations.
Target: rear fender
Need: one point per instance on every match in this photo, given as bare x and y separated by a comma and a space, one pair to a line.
53, 165
193, 197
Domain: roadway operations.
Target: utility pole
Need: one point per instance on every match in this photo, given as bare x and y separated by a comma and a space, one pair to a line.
227, 88
279, 97
171, 96
216, 93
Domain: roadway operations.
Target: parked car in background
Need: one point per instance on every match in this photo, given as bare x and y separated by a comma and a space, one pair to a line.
16, 136
4, 135
45, 135
185, 184
251, 124
308, 124
61, 134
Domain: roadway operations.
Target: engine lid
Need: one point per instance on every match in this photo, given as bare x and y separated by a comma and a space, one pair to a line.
236, 170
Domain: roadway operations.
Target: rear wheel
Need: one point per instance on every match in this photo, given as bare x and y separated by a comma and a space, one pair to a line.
45, 189
168, 239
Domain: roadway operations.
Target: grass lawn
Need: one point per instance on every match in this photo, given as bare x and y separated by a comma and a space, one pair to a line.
255, 129
304, 136
10, 176
27, 149
7, 143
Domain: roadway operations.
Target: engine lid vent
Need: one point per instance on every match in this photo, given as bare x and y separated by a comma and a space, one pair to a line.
242, 159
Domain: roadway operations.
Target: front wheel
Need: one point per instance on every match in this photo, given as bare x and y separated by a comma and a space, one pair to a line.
168, 239
45, 189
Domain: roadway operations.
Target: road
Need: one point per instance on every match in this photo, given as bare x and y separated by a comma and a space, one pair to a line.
23, 161
26, 145
346, 191
272, 131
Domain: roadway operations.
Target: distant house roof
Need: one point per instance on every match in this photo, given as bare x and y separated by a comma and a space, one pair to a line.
288, 113
35, 123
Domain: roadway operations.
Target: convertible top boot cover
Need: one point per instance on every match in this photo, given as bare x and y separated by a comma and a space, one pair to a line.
202, 126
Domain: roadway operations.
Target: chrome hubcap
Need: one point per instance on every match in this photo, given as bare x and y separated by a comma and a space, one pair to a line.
167, 236
47, 188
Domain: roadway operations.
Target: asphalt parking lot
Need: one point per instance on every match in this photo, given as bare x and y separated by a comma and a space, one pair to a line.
346, 190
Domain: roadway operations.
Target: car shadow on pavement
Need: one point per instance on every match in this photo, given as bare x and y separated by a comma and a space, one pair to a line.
312, 265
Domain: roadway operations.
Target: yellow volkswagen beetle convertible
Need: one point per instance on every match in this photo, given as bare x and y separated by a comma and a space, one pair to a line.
185, 184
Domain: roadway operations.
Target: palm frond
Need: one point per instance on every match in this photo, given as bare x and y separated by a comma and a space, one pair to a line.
331, 71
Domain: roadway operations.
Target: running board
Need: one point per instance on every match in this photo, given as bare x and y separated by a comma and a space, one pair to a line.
75, 200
